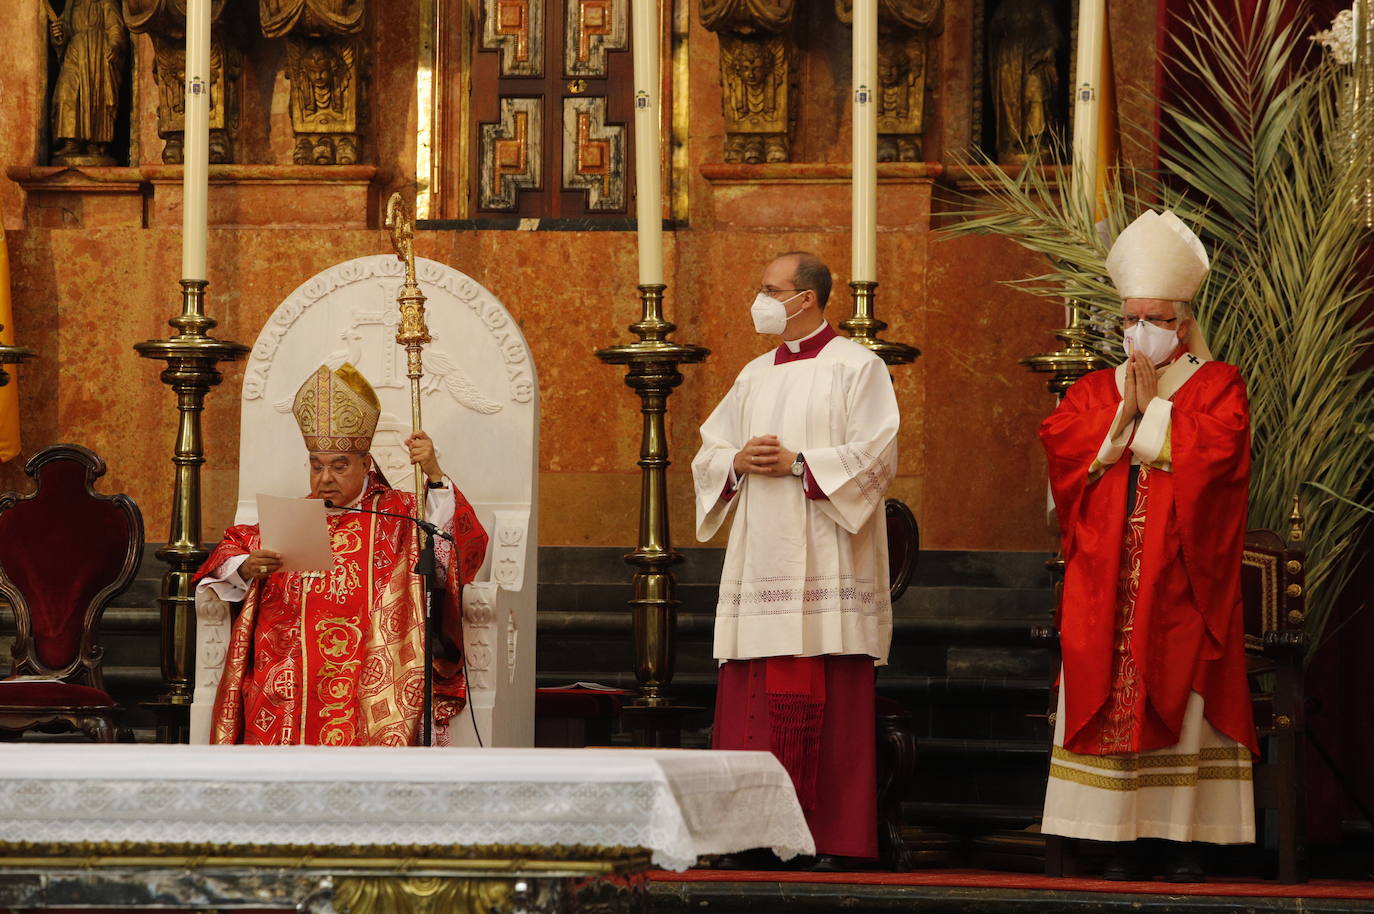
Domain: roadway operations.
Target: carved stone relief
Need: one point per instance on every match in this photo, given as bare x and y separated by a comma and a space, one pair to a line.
325, 66
756, 54
1024, 47
91, 45
164, 22
516, 29
511, 154
904, 40
593, 27
593, 154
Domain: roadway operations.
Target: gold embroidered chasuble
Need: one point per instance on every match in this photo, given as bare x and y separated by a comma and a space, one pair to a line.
337, 658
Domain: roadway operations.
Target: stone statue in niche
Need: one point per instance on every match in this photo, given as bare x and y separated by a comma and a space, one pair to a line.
756, 52
91, 46
164, 21
904, 30
324, 66
1024, 46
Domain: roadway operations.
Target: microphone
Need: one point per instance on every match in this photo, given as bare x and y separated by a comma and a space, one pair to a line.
422, 524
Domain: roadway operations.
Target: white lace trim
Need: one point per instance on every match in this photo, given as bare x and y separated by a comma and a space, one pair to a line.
679, 808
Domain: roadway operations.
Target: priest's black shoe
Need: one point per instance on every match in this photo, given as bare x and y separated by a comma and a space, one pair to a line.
1129, 863
757, 859
834, 863
1184, 862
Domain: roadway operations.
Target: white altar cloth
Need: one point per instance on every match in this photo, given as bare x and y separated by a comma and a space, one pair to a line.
678, 804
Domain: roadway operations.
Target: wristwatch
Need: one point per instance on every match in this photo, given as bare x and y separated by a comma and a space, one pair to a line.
434, 484
799, 465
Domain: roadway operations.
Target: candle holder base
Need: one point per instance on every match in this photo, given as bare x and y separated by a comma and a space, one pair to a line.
863, 328
1069, 364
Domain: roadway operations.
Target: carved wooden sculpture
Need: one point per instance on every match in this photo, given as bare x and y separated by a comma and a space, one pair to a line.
324, 64
164, 21
1024, 44
91, 47
904, 30
756, 53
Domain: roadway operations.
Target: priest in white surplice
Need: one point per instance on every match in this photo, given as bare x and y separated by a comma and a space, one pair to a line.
802, 449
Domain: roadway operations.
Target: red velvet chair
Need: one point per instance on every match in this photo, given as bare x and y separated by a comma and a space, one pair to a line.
65, 553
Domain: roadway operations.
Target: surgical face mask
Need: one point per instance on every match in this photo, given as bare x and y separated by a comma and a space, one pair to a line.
770, 315
1156, 343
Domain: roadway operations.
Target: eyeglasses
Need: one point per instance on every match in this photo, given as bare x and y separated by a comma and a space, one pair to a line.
770, 291
1164, 323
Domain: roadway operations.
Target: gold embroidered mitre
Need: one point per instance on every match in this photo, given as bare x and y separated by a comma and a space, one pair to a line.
337, 410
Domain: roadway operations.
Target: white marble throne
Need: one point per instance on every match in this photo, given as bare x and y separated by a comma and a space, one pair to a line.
481, 407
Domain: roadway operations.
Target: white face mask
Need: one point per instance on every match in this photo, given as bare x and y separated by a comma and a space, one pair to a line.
1156, 343
770, 315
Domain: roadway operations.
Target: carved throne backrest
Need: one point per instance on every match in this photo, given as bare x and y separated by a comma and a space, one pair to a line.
65, 553
480, 402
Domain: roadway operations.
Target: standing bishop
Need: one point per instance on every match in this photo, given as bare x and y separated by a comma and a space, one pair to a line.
1150, 465
802, 448
337, 658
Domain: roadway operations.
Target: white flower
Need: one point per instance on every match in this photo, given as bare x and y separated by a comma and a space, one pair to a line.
1340, 38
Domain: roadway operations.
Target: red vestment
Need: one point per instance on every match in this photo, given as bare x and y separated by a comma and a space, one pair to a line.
1187, 630
337, 659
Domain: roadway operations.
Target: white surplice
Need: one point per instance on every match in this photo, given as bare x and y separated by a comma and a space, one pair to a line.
804, 577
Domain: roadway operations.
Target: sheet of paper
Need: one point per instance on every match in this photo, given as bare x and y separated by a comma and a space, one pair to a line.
295, 527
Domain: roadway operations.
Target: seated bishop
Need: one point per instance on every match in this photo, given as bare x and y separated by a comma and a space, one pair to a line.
336, 658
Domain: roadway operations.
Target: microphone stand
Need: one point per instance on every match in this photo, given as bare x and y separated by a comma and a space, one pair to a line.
425, 567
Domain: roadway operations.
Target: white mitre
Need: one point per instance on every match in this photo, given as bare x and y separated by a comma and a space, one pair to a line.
1157, 256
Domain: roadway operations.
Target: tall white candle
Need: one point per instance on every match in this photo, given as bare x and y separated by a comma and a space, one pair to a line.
648, 184
1087, 96
865, 182
196, 148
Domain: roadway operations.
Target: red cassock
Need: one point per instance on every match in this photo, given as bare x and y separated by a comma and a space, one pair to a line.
1188, 631
337, 658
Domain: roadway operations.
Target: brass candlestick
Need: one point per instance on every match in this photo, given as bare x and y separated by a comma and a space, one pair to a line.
863, 328
1070, 363
192, 357
12, 355
653, 362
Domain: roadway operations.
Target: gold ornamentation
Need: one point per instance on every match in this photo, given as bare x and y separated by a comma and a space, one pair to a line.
164, 21
515, 28
1137, 762
91, 45
424, 895
593, 27
1295, 617
1137, 782
510, 158
1293, 590
337, 410
593, 154
1294, 566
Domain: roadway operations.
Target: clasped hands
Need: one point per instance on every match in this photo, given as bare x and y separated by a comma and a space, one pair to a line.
764, 456
1142, 383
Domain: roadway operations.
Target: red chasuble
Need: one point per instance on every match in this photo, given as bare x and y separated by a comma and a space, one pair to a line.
1186, 631
337, 659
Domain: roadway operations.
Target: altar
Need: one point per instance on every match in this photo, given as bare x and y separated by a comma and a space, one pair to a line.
375, 829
